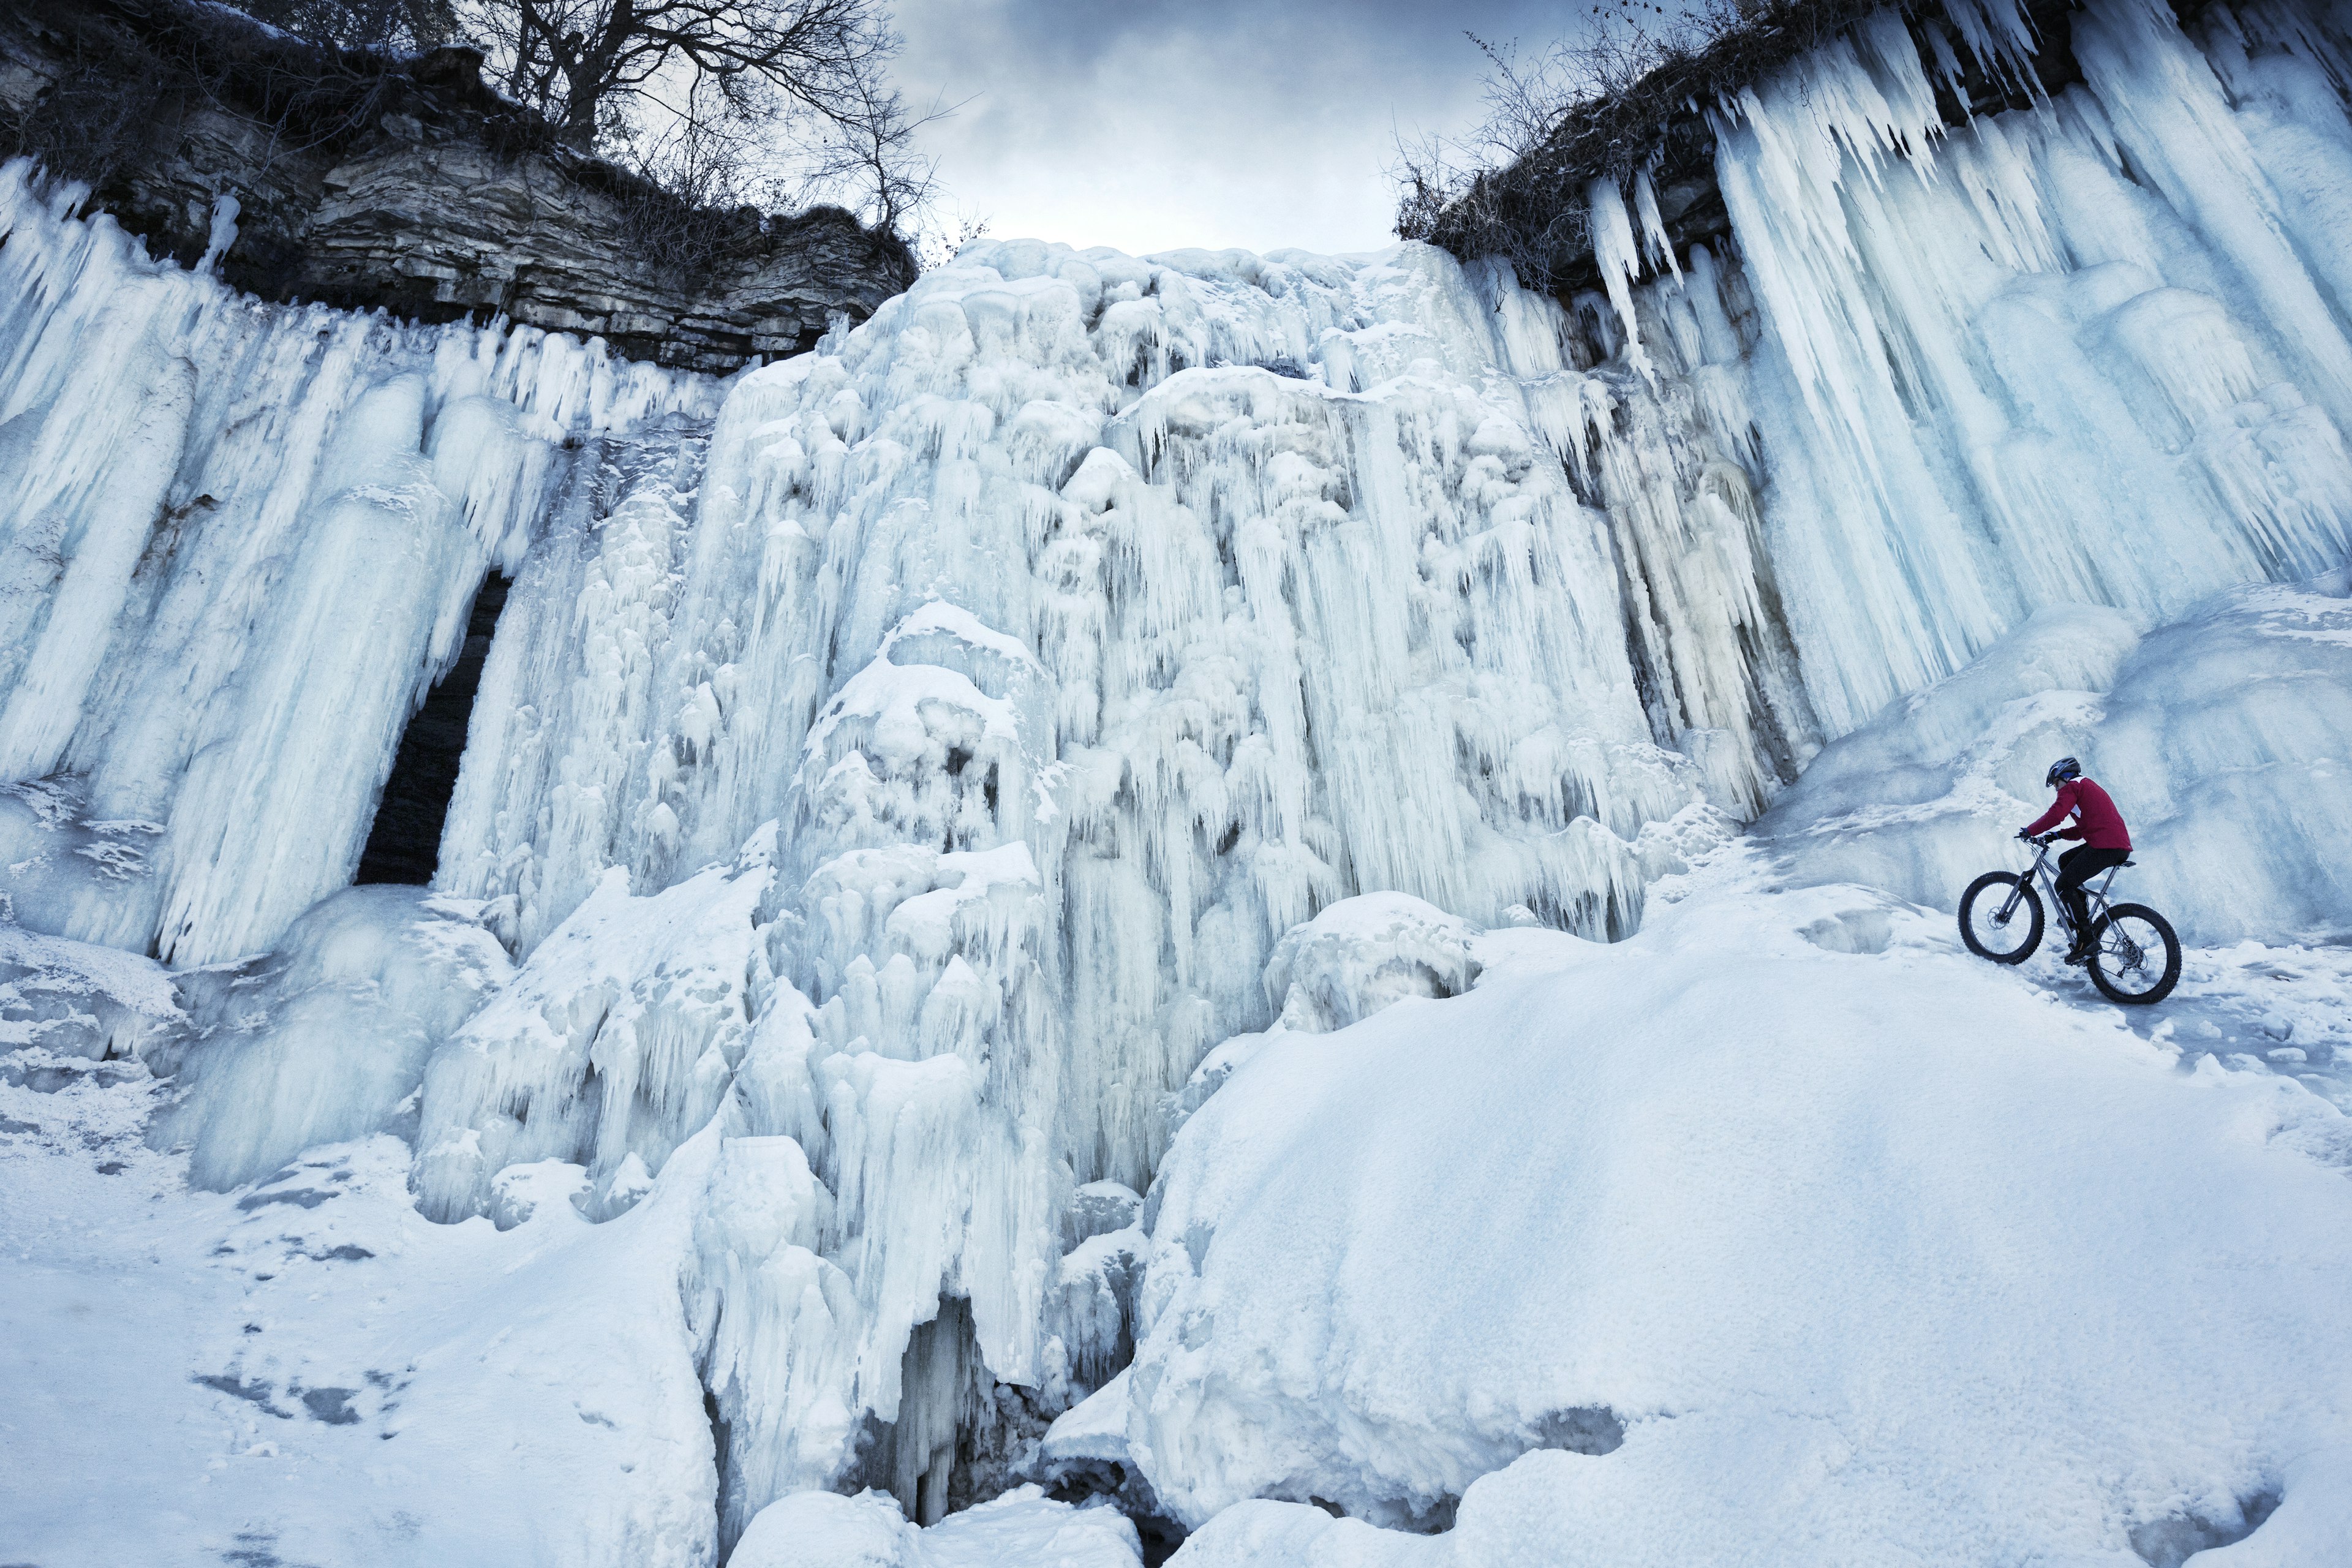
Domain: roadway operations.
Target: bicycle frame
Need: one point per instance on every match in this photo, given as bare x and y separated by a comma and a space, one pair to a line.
2128, 950
2043, 873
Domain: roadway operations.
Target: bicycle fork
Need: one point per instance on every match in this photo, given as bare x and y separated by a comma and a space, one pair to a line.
2017, 891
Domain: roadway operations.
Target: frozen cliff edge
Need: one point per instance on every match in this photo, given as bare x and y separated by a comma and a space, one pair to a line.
406, 186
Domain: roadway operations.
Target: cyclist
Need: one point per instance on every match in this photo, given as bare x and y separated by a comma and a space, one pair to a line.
2105, 842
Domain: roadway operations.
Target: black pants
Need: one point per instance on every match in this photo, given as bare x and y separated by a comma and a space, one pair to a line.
2076, 866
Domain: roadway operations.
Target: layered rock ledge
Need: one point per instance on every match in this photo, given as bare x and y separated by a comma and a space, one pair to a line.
407, 184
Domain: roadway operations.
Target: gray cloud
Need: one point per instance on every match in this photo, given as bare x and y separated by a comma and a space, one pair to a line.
1153, 124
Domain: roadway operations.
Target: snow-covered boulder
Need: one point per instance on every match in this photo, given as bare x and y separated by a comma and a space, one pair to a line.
1101, 1207
1361, 955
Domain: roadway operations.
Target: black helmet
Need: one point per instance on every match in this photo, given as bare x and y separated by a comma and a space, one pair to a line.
2062, 770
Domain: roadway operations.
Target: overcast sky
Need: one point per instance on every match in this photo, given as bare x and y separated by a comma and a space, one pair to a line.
1150, 124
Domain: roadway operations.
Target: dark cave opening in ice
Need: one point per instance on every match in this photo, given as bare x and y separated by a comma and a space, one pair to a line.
404, 844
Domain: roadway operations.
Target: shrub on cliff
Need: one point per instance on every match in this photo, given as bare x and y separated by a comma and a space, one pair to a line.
1628, 90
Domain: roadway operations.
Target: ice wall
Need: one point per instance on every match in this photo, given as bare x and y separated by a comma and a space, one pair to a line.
2092, 351
238, 544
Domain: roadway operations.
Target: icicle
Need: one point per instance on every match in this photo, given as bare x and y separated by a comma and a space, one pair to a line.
2001, 35
1620, 258
1655, 239
223, 233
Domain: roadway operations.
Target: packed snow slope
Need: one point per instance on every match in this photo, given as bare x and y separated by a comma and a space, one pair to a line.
1915, 1264
896, 770
2226, 728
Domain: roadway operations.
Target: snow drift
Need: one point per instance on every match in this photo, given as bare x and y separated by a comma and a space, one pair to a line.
1716, 1216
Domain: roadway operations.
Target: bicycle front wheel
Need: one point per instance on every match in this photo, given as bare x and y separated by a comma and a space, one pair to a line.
1993, 926
2136, 959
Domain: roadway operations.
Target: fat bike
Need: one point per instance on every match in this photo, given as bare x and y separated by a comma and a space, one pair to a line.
2135, 956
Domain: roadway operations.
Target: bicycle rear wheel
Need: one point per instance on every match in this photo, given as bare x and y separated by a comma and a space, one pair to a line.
2012, 941
2136, 959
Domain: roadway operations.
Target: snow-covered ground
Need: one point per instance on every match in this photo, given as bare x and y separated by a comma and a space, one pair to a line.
306, 1370
1825, 1231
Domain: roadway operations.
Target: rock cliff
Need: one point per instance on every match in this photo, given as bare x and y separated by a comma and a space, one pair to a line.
407, 184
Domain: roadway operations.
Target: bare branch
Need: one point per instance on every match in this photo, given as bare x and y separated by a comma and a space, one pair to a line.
1627, 93
795, 90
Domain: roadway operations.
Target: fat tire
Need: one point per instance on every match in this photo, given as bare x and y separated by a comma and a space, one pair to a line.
2033, 911
2171, 958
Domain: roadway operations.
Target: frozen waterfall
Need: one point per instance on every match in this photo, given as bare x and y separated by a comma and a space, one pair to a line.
240, 544
897, 768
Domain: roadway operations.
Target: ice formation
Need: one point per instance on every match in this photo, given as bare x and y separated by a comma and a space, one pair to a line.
240, 542
1362, 953
2226, 727
896, 772
325, 1040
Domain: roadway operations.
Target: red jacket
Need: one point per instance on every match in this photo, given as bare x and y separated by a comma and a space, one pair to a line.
2097, 823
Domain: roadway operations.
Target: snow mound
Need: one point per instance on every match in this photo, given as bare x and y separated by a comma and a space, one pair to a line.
1022, 1529
325, 1040
1362, 953
1719, 1238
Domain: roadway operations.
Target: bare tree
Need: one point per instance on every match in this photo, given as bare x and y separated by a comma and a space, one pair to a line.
1530, 97
720, 102
698, 199
586, 64
939, 241
386, 27
869, 159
